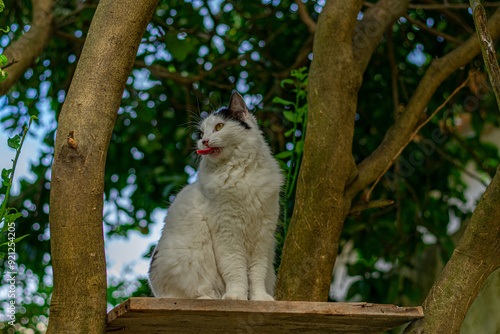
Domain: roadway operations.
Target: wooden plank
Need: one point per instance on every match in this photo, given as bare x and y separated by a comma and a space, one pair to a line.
165, 315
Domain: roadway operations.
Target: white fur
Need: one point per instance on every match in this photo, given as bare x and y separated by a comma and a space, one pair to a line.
218, 240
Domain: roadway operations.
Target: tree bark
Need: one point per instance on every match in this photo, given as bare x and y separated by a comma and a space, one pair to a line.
320, 208
26, 49
487, 46
86, 123
329, 180
475, 258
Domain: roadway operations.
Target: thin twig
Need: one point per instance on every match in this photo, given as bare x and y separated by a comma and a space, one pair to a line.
9, 64
479, 161
423, 26
459, 166
368, 194
361, 206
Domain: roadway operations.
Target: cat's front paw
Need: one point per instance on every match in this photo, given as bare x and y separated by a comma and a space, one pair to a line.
262, 296
235, 295
204, 297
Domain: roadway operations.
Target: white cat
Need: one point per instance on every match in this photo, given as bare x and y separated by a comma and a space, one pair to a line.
218, 239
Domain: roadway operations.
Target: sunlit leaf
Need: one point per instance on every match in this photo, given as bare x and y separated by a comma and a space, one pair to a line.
282, 101
14, 142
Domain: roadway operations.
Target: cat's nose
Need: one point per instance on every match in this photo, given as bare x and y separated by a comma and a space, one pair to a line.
205, 142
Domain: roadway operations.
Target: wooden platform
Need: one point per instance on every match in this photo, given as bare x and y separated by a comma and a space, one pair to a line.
163, 315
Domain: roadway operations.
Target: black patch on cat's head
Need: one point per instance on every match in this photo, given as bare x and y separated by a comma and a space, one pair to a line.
237, 110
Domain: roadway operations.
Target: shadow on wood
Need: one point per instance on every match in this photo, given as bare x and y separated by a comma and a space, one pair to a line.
165, 315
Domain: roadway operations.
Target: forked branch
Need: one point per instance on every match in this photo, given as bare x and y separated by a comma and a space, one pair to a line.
397, 136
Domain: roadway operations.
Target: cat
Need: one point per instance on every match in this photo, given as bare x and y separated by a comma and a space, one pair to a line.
218, 241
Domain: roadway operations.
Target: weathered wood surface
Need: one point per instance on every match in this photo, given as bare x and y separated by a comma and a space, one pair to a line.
164, 315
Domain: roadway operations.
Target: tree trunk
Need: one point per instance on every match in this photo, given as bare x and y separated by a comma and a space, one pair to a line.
329, 180
86, 123
334, 80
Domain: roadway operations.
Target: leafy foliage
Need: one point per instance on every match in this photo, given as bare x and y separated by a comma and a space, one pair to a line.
295, 112
3, 58
191, 57
9, 215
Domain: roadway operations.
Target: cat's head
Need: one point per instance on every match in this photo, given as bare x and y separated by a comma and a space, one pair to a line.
226, 129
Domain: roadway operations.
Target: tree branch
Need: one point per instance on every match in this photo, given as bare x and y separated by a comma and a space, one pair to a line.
398, 134
487, 47
26, 49
305, 17
370, 29
449, 5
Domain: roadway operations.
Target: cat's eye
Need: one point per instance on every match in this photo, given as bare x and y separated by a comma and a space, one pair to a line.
201, 134
219, 126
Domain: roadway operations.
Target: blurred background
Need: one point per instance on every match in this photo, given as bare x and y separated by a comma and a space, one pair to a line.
193, 54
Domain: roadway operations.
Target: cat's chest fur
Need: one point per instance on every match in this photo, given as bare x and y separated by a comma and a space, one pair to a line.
247, 188
233, 181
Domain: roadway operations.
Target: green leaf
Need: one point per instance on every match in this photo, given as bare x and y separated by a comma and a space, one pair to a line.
302, 110
3, 75
291, 116
302, 94
6, 176
15, 240
299, 147
282, 101
287, 81
3, 60
299, 74
12, 217
283, 155
289, 132
20, 238
14, 142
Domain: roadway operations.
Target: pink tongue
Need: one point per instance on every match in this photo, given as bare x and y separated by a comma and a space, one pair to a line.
205, 151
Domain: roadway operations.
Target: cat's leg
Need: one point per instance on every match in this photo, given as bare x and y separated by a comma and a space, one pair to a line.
261, 269
271, 273
232, 263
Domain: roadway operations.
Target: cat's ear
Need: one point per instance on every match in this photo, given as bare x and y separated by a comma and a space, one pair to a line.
237, 107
